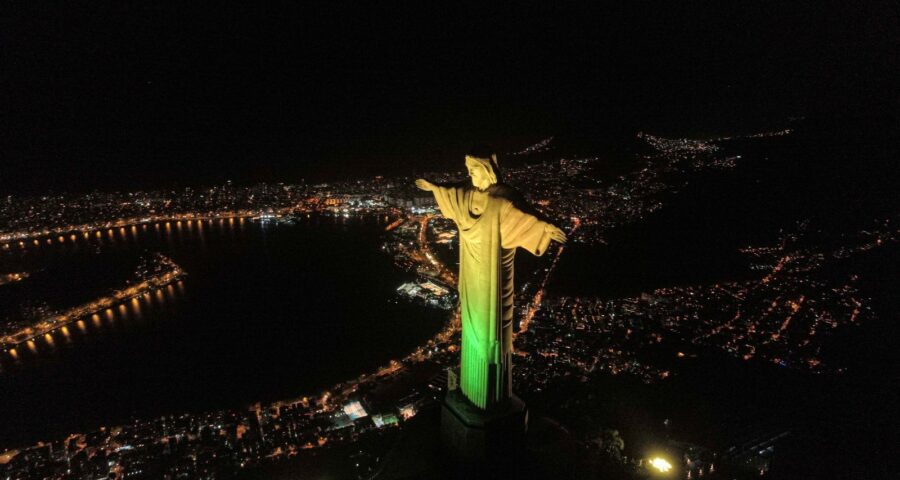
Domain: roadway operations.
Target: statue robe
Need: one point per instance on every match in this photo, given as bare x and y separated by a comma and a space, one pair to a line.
490, 227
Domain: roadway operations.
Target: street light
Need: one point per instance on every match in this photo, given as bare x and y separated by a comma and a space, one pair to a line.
660, 464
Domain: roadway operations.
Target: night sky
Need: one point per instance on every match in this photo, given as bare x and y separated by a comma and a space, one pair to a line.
121, 95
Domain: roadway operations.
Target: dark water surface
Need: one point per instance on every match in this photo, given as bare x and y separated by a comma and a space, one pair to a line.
266, 312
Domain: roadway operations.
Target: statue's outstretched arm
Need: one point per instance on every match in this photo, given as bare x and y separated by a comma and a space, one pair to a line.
425, 185
446, 197
519, 229
556, 233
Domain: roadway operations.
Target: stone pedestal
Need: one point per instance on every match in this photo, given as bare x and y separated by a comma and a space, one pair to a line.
473, 435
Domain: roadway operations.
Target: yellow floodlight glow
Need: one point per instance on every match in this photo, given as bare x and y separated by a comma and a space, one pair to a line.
660, 464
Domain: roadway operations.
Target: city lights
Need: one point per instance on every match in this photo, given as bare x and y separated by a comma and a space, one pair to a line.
660, 464
781, 315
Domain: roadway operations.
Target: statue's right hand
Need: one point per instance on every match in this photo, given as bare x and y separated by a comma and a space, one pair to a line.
424, 185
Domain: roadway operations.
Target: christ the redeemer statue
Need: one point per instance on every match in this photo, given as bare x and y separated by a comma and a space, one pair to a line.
492, 222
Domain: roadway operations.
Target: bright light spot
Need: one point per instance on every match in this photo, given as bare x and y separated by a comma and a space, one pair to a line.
661, 464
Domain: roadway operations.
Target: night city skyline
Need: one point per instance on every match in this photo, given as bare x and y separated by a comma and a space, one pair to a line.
216, 260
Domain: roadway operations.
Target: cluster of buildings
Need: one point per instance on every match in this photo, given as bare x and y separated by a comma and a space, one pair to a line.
542, 146
563, 189
212, 445
582, 337
29, 221
578, 190
785, 316
781, 317
219, 444
430, 292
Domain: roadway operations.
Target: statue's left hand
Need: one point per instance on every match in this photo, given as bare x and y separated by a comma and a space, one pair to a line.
555, 233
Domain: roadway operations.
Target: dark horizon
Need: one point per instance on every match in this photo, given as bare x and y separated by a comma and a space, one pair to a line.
130, 97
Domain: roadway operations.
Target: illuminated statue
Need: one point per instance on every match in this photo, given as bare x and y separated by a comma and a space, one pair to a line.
492, 223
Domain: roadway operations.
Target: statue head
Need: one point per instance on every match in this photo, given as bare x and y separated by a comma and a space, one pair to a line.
483, 169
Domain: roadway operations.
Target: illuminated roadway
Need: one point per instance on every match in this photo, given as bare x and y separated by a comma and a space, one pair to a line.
47, 325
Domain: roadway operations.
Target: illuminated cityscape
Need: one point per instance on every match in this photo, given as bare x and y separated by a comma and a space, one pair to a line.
782, 316
254, 242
